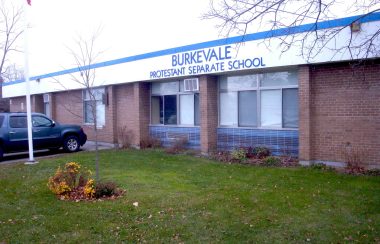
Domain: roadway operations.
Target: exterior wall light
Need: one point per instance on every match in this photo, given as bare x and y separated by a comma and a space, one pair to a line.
355, 26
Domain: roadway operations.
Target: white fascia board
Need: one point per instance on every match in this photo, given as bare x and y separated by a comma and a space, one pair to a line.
212, 57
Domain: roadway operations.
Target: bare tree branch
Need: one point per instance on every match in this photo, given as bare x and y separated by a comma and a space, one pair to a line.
84, 53
238, 17
10, 31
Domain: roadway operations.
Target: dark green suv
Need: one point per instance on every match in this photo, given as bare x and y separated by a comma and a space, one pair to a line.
47, 134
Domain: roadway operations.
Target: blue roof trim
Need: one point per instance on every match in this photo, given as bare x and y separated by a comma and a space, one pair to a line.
226, 41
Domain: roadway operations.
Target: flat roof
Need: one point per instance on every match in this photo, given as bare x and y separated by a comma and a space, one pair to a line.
214, 43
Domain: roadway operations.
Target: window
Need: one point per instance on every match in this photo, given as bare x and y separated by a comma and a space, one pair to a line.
157, 110
186, 109
46, 98
170, 109
164, 110
165, 87
17, 122
248, 108
290, 108
244, 82
228, 115
93, 103
259, 100
278, 79
171, 105
39, 121
271, 108
197, 113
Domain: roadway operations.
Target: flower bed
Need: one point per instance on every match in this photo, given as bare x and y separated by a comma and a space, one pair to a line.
75, 183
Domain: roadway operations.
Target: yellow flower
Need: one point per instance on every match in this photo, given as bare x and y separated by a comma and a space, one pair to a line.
89, 189
63, 188
72, 167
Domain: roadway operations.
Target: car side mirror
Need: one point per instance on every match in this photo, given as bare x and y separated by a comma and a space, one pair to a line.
52, 124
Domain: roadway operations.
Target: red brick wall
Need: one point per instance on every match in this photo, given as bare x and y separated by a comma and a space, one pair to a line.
37, 103
345, 111
18, 104
133, 109
124, 106
68, 109
339, 110
53, 106
142, 102
208, 89
4, 105
4, 102
111, 115
15, 104
304, 113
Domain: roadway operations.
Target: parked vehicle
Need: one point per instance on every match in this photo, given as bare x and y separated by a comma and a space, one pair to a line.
47, 134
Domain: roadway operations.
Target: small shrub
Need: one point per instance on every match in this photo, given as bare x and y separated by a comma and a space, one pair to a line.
354, 157
261, 152
150, 142
178, 146
106, 189
89, 189
289, 161
125, 137
355, 170
222, 156
74, 183
321, 166
239, 154
250, 152
192, 152
271, 161
71, 179
318, 166
373, 172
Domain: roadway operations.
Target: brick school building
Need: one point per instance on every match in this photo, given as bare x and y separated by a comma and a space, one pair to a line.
219, 97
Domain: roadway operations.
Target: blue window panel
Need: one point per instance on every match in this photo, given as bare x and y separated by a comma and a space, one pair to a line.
167, 134
278, 141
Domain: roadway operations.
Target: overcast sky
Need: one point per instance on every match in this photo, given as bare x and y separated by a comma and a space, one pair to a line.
128, 28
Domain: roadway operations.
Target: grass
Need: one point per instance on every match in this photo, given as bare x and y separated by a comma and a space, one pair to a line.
188, 199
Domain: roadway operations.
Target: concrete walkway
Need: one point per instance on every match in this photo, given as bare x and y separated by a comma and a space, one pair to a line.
90, 146
23, 156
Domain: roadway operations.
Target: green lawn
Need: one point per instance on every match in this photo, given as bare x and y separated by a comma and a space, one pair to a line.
189, 199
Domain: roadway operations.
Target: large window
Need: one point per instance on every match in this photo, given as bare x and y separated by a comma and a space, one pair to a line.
171, 105
17, 122
261, 100
93, 103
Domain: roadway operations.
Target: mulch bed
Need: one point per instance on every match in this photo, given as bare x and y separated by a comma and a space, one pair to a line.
78, 195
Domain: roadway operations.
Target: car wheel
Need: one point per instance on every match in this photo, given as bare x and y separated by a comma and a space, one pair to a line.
71, 144
1, 153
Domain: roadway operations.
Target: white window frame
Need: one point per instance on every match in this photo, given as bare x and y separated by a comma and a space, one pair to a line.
177, 93
99, 102
258, 90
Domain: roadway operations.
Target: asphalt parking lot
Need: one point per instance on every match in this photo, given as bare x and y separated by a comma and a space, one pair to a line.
24, 156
